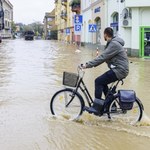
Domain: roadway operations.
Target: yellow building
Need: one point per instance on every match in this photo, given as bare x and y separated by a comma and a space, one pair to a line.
49, 24
64, 20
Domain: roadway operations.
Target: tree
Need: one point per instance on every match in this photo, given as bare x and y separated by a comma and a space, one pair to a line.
38, 28
13, 27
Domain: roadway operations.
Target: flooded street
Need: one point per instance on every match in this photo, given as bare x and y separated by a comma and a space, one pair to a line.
31, 72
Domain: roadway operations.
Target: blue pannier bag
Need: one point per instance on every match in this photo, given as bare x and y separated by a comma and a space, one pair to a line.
126, 99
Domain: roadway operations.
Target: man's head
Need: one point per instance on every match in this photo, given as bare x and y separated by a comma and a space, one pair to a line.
108, 33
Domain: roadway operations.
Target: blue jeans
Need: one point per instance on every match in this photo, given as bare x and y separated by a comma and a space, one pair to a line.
102, 81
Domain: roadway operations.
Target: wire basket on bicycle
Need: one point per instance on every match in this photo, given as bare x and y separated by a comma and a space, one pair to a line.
70, 79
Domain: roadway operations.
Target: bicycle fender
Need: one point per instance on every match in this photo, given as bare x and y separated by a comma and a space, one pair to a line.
140, 102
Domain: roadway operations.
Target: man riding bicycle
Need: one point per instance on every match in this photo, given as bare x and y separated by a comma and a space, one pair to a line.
116, 58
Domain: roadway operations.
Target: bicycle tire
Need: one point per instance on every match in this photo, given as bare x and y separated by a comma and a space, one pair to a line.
58, 104
131, 116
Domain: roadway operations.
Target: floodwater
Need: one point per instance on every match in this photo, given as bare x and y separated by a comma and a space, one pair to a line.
31, 72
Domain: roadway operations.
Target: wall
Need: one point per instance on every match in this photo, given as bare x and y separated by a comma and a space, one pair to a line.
86, 36
140, 17
137, 3
62, 24
87, 15
90, 14
8, 18
145, 16
101, 15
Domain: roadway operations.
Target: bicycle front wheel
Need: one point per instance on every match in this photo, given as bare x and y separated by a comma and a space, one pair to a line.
67, 103
131, 116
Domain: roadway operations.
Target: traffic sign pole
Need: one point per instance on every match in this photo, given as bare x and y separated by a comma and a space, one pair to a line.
78, 20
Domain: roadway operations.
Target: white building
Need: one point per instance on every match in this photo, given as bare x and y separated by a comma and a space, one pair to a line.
93, 12
131, 21
8, 18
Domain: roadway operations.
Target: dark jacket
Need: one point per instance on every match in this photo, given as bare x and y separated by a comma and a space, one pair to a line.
115, 56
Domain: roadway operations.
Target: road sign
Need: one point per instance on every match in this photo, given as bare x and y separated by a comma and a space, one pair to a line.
78, 19
92, 28
115, 24
67, 31
77, 29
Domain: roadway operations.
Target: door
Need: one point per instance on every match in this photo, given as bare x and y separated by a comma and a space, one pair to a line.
145, 42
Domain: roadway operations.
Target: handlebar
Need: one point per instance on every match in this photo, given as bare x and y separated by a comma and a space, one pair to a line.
81, 71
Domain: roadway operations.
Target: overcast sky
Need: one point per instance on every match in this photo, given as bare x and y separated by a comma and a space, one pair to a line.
28, 11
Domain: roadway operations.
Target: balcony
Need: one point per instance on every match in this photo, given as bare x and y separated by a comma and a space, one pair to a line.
64, 2
63, 15
137, 3
75, 6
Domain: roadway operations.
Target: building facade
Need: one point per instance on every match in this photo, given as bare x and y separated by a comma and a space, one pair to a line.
49, 24
58, 21
8, 18
130, 20
140, 31
93, 12
61, 18
64, 19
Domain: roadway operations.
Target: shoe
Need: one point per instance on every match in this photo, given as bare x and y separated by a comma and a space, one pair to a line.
96, 108
91, 110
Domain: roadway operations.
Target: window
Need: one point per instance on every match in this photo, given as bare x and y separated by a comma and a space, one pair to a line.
115, 21
98, 33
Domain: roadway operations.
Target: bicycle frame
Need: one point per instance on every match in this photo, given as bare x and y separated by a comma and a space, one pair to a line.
111, 102
81, 85
111, 92
111, 106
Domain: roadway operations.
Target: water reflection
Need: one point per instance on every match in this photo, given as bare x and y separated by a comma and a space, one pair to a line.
6, 62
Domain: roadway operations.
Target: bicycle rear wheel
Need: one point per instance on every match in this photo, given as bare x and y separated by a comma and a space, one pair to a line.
67, 103
130, 116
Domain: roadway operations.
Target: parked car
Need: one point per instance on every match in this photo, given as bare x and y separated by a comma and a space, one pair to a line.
29, 35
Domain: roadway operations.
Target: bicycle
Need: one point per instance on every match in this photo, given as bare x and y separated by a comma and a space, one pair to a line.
70, 102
